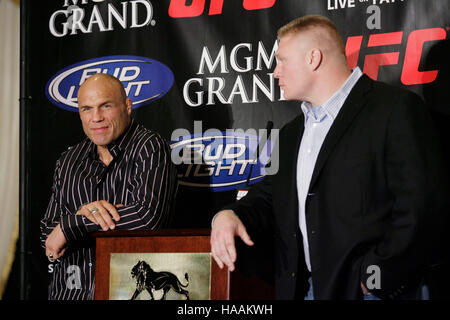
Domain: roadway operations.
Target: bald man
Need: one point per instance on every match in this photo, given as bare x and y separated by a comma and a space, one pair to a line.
360, 180
120, 177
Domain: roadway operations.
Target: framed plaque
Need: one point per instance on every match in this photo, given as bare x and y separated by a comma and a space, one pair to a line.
163, 264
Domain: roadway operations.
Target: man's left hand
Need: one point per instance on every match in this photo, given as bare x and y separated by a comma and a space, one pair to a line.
55, 245
101, 213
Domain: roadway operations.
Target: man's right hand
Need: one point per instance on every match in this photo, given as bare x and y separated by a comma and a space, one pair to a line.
104, 216
226, 226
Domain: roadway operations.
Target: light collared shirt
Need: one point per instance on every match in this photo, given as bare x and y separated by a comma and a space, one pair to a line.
318, 121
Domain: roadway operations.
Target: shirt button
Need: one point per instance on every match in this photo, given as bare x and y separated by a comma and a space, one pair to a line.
314, 125
313, 231
293, 274
90, 264
309, 150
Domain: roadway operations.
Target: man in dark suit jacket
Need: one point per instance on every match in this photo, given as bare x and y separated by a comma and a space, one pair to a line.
361, 217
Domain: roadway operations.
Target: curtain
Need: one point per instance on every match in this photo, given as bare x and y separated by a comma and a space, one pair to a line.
9, 135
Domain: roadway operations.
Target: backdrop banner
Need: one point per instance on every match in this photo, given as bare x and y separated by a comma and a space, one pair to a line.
200, 72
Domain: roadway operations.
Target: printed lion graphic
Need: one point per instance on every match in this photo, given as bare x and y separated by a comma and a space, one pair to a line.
147, 279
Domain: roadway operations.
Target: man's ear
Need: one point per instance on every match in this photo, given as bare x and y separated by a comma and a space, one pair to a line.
129, 105
315, 57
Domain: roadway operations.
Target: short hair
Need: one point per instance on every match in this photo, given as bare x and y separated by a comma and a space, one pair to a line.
310, 22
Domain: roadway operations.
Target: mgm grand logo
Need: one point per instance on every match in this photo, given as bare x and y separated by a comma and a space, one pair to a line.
82, 16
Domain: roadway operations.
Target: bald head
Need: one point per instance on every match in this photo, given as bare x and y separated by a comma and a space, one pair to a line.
105, 80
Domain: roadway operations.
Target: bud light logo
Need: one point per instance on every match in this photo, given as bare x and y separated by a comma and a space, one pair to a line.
144, 79
220, 161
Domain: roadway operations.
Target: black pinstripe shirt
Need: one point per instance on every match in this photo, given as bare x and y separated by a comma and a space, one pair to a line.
141, 177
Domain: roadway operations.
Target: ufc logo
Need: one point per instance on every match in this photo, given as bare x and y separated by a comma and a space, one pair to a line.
180, 8
413, 54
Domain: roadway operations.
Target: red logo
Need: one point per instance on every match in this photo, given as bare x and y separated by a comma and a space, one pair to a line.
179, 8
413, 54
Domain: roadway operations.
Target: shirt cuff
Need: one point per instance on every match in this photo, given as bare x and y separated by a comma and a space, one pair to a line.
76, 227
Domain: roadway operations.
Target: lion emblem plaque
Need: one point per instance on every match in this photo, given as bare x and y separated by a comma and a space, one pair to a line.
148, 279
160, 276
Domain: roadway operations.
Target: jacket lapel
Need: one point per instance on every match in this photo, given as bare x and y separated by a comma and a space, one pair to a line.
348, 112
289, 143
296, 135
294, 138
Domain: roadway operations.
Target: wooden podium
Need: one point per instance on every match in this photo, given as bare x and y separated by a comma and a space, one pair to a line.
176, 264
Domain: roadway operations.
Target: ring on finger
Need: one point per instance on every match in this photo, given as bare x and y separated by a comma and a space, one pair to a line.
94, 210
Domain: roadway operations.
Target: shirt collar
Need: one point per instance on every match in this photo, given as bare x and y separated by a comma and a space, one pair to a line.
116, 146
315, 113
333, 105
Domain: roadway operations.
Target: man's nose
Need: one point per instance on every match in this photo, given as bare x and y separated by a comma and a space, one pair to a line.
276, 72
97, 115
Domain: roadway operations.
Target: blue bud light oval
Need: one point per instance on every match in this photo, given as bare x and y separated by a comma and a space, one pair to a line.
220, 161
144, 79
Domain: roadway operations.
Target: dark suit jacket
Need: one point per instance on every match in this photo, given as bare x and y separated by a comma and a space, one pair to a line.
375, 193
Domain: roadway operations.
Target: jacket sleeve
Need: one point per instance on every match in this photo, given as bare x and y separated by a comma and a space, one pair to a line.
154, 183
255, 209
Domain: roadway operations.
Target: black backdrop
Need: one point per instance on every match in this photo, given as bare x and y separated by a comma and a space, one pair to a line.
406, 39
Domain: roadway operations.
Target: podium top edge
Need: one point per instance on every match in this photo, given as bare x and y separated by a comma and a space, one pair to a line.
152, 233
